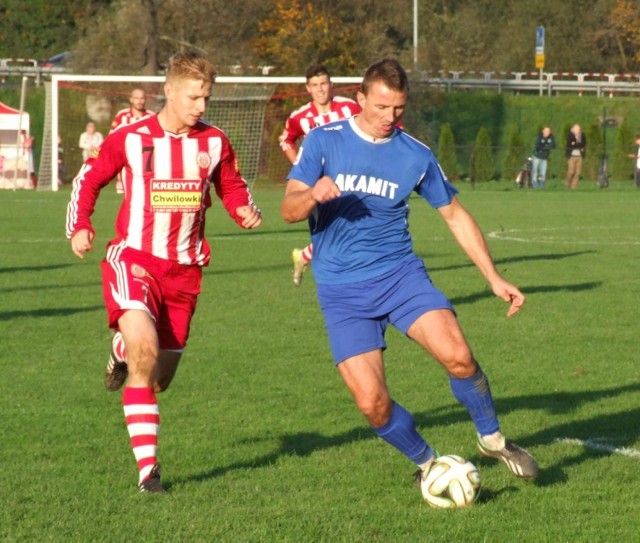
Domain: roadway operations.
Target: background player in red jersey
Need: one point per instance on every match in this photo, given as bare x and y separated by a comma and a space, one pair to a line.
152, 272
136, 112
323, 108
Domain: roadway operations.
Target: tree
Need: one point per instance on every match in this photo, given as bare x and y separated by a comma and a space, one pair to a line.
482, 163
621, 167
595, 150
447, 153
625, 23
515, 154
139, 36
45, 29
345, 36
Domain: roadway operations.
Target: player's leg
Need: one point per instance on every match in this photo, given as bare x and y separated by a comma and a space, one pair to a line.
142, 414
301, 258
364, 376
356, 324
439, 333
133, 300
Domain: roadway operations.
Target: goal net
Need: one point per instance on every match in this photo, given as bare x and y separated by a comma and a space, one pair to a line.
252, 112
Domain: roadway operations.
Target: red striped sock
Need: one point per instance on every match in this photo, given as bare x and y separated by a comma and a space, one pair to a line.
143, 421
307, 253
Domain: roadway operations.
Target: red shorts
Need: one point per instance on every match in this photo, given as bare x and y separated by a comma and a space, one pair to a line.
168, 291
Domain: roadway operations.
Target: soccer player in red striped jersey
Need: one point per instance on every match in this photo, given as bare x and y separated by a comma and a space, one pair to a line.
128, 115
323, 108
152, 271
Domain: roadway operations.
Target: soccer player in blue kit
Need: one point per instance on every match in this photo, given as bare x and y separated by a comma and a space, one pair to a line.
352, 180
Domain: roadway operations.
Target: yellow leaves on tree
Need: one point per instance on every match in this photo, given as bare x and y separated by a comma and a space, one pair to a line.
296, 35
625, 19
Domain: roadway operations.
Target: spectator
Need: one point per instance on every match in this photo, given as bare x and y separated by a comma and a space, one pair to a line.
575, 152
90, 140
544, 144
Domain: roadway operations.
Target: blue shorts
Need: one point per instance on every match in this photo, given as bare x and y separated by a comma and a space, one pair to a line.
357, 314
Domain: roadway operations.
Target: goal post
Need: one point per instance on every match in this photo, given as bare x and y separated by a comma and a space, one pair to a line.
250, 110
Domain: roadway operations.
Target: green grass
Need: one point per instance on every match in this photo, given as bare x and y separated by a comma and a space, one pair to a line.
260, 440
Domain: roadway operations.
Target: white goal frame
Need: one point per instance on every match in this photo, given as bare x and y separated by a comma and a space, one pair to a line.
222, 80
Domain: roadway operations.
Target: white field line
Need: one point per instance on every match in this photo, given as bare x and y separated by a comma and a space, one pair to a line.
559, 236
600, 444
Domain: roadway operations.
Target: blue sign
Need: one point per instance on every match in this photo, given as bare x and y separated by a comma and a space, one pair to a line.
540, 40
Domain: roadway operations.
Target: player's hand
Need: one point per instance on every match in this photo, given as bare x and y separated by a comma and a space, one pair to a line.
325, 190
82, 242
510, 294
251, 216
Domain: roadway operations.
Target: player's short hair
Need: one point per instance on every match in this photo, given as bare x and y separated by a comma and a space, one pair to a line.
315, 70
387, 71
191, 65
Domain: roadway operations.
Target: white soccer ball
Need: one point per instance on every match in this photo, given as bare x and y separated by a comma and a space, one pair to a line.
452, 482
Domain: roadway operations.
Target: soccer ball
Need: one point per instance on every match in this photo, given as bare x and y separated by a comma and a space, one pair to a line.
452, 482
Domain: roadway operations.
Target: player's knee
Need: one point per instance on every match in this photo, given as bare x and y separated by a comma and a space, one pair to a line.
376, 408
460, 363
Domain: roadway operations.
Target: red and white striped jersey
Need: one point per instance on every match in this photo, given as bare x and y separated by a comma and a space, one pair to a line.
307, 117
167, 180
127, 116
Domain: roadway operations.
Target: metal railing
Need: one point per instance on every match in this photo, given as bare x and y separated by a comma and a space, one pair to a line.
544, 83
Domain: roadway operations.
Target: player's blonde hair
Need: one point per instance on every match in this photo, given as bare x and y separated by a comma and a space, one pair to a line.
191, 65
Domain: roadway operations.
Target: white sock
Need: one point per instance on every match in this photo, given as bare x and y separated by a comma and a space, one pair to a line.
493, 442
426, 466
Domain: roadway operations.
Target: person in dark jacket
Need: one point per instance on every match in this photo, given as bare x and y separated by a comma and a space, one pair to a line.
544, 144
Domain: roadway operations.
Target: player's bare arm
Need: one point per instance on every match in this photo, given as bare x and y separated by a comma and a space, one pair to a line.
251, 216
469, 236
82, 242
291, 154
300, 199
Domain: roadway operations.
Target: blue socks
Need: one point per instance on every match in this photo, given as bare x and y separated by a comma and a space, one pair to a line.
400, 431
474, 393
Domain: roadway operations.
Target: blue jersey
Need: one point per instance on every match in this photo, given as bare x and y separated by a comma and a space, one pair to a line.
365, 232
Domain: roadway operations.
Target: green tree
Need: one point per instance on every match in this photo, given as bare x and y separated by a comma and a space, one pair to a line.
447, 153
515, 155
482, 161
45, 29
620, 165
595, 150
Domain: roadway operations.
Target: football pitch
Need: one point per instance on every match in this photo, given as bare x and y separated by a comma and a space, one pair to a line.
260, 440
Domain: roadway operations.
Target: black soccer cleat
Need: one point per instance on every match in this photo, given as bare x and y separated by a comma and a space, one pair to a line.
152, 483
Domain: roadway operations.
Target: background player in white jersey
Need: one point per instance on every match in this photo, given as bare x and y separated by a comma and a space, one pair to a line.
136, 112
152, 272
322, 109
352, 181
